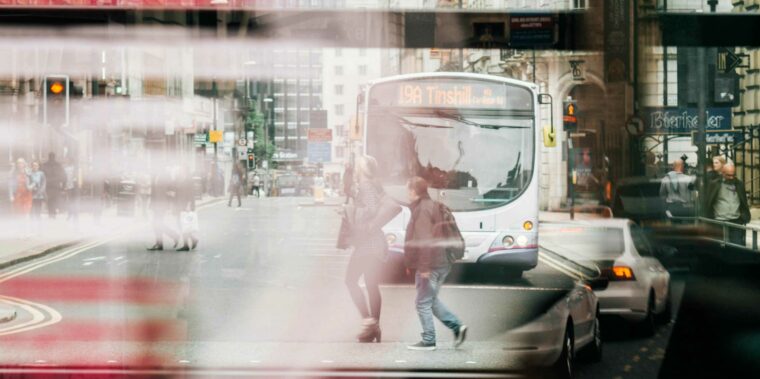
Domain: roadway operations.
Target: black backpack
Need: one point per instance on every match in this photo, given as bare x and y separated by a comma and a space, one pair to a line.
447, 233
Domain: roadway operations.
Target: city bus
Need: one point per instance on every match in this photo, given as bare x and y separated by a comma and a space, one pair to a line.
474, 139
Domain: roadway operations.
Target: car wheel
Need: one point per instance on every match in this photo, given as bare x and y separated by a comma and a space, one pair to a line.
664, 317
646, 327
564, 366
593, 352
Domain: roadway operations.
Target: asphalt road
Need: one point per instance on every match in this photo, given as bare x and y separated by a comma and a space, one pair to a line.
263, 289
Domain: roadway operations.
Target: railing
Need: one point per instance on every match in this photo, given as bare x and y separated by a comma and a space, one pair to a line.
725, 228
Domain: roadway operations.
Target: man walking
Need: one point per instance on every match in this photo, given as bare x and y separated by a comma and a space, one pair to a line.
676, 191
56, 180
431, 264
726, 200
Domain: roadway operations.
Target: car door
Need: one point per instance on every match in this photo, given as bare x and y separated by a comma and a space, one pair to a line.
650, 267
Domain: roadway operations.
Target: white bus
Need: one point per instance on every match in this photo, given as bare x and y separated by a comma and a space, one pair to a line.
474, 139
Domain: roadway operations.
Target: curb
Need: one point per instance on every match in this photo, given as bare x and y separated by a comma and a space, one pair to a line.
36, 253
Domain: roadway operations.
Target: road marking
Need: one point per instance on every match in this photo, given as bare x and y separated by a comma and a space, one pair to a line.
400, 361
86, 263
46, 261
100, 258
39, 320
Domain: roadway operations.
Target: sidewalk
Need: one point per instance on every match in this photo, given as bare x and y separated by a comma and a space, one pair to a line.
21, 240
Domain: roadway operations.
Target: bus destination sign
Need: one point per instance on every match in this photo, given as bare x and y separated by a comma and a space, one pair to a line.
449, 95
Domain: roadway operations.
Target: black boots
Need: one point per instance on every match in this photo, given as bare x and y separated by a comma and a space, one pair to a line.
371, 332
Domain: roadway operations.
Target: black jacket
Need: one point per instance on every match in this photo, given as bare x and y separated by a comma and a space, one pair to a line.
713, 189
420, 252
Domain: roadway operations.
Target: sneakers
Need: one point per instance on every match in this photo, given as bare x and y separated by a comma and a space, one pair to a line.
459, 335
421, 346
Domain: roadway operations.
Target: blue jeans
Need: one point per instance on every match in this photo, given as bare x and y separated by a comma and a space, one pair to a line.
429, 305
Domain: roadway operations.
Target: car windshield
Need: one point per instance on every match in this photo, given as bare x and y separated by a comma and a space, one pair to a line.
584, 243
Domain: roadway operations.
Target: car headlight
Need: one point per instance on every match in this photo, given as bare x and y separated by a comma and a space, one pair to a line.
508, 241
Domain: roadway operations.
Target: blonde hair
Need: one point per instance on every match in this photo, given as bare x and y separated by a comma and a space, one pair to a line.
366, 166
720, 159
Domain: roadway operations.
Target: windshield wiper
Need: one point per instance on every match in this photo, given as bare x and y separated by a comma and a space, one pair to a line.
465, 121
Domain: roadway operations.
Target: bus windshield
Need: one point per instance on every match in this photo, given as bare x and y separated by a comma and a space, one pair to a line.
472, 158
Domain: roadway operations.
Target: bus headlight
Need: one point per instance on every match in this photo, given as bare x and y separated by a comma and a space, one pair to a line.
527, 225
508, 241
522, 240
390, 238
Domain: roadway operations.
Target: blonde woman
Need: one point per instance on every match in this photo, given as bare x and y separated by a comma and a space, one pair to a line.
369, 249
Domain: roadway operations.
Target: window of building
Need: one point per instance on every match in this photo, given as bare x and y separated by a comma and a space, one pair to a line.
339, 130
338, 70
339, 89
340, 152
339, 109
362, 52
338, 52
363, 69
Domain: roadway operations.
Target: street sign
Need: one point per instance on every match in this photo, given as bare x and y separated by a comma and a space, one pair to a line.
320, 152
320, 135
531, 29
727, 137
671, 120
728, 60
242, 142
200, 139
215, 136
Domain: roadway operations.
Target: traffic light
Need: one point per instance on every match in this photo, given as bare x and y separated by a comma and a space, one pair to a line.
569, 115
55, 105
251, 163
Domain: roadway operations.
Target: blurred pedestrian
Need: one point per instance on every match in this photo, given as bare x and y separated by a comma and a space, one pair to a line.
726, 200
718, 162
348, 181
18, 189
370, 249
185, 209
38, 186
675, 189
431, 264
236, 184
162, 194
216, 180
56, 181
256, 185
143, 192
71, 189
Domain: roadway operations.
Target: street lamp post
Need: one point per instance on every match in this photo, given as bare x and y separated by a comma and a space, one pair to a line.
270, 101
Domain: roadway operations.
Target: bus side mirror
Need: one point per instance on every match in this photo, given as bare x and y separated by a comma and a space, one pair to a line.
544, 98
550, 136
